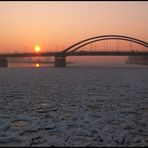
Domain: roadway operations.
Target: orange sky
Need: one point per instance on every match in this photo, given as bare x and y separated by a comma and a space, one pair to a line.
57, 25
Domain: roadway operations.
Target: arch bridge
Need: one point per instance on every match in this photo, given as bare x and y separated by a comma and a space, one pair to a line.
60, 57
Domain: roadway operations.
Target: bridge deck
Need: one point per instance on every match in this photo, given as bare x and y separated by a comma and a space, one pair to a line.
108, 53
79, 53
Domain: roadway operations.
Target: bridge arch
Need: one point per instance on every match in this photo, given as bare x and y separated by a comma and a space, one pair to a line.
85, 42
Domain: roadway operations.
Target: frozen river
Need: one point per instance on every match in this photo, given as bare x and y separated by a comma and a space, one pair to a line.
74, 106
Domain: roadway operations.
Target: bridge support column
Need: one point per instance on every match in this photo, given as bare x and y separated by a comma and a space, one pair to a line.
60, 62
3, 62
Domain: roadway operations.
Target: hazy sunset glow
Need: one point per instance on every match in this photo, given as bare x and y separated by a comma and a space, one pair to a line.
57, 25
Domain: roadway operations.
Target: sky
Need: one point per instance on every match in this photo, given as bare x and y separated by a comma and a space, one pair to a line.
55, 25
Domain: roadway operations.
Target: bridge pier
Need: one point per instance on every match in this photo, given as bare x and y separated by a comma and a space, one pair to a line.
60, 62
3, 62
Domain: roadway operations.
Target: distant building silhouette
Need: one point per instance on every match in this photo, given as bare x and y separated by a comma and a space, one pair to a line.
3, 62
137, 60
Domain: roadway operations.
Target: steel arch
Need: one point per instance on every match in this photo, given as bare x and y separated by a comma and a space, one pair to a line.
85, 42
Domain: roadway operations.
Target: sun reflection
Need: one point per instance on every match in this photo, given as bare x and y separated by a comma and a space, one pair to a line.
37, 65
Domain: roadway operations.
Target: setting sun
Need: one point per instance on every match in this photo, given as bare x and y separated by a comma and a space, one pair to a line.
37, 48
